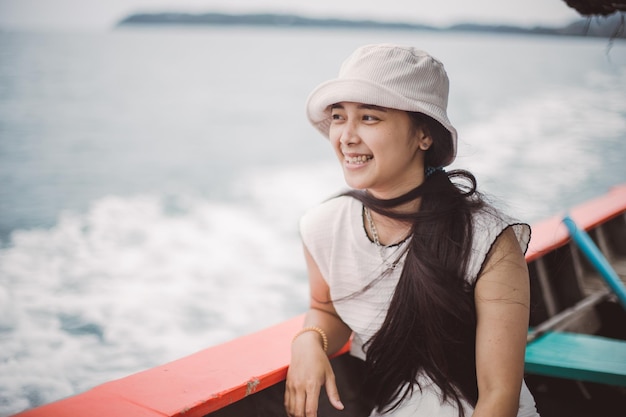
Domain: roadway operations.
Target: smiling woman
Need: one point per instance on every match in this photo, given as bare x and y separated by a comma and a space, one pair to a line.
428, 279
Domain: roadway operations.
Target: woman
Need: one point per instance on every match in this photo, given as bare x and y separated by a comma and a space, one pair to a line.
428, 279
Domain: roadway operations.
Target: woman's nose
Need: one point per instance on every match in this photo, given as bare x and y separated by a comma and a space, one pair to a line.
348, 134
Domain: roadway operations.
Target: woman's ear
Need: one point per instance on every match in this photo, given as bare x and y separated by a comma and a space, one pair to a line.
425, 141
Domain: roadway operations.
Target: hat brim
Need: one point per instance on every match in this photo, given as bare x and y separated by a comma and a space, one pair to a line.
363, 91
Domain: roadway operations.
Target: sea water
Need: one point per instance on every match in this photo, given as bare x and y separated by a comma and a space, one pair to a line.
151, 180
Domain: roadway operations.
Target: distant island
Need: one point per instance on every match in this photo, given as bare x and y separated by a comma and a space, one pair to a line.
608, 27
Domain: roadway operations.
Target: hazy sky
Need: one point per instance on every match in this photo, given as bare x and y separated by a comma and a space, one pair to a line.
102, 14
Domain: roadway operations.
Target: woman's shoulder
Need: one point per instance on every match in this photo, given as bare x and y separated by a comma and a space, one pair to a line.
489, 222
323, 224
328, 210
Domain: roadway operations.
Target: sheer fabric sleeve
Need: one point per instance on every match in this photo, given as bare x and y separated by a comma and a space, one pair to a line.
488, 226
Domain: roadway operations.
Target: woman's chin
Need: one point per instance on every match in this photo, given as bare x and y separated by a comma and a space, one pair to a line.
354, 183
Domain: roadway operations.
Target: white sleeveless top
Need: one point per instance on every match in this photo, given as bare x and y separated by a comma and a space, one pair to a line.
334, 234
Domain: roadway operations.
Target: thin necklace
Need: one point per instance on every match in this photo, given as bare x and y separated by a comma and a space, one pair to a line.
381, 247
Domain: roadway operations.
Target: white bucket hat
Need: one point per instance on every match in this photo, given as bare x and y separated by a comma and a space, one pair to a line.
392, 76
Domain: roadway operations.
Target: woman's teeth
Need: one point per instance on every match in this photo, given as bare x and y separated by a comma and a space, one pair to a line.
361, 159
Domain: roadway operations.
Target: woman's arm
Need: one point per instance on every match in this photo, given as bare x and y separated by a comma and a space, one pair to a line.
310, 368
502, 296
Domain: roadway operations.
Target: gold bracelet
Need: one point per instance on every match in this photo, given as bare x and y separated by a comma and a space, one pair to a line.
318, 331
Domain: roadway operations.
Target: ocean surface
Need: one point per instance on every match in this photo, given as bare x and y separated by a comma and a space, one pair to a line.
151, 180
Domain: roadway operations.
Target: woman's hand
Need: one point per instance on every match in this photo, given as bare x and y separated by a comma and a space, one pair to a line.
309, 370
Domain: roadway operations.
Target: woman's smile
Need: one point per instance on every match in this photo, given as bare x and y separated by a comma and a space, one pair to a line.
353, 159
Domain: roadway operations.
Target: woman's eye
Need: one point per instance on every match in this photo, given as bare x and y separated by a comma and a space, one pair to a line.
370, 118
335, 117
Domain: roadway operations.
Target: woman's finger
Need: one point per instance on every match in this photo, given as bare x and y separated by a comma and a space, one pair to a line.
312, 400
333, 392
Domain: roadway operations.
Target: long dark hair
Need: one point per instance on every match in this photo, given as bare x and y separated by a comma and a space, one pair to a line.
431, 322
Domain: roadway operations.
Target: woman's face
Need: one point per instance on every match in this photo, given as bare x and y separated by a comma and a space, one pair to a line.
379, 148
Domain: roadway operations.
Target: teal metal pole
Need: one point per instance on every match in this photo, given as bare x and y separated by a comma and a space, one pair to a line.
597, 259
